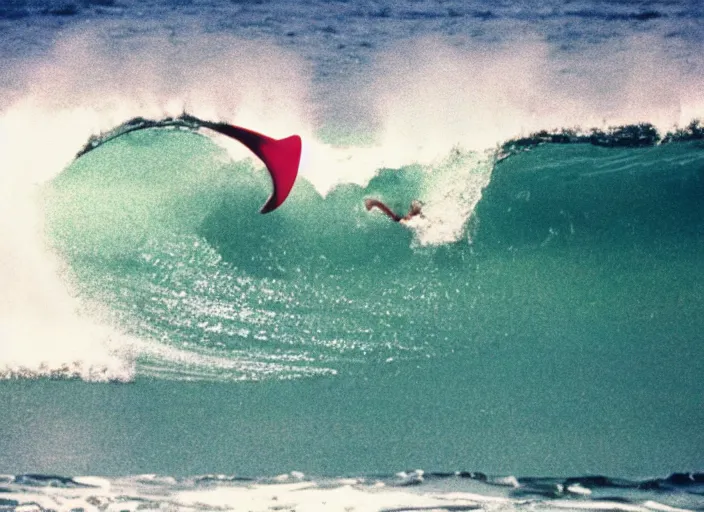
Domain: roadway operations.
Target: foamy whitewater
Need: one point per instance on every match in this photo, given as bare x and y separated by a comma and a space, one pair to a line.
541, 318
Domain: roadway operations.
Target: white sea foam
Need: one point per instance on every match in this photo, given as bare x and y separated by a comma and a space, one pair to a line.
44, 330
295, 492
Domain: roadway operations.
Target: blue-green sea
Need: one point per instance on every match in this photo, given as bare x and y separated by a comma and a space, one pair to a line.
532, 340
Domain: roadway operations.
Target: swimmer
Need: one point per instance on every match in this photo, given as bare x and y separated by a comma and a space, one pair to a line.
415, 209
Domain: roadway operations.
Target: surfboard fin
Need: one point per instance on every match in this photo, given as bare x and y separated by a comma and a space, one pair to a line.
281, 157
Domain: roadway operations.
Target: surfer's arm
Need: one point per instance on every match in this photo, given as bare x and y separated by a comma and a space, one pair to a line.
372, 203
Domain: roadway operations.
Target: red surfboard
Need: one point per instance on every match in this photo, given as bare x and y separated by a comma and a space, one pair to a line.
281, 157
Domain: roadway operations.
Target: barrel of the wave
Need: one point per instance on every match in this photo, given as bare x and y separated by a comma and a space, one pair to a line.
281, 157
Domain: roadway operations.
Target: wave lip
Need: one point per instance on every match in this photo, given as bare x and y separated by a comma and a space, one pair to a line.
624, 136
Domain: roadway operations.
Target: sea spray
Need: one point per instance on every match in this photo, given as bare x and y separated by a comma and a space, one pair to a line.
45, 329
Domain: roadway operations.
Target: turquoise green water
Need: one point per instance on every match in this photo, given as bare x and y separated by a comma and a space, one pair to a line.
559, 334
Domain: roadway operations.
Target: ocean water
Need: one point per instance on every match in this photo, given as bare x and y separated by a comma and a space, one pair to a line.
532, 340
